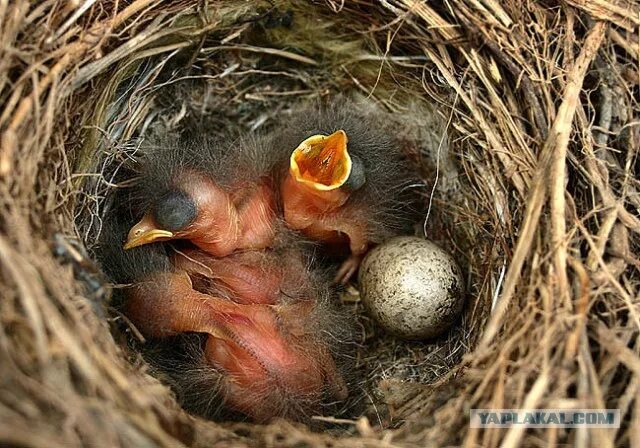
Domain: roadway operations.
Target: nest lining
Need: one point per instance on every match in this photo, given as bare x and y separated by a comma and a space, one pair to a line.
539, 206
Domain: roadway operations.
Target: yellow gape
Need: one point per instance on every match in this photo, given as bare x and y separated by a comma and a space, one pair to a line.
322, 162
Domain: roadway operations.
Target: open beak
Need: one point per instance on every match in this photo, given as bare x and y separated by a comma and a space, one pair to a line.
322, 162
145, 232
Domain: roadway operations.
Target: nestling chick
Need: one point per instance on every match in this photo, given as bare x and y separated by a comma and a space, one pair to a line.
346, 180
267, 354
269, 331
217, 194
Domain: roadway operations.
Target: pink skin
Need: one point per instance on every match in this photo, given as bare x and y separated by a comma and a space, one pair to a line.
229, 222
319, 215
243, 219
248, 277
266, 352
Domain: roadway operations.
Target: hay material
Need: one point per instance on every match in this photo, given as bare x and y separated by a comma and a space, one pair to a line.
540, 102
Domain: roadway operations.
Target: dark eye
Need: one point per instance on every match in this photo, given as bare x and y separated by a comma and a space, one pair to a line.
357, 177
174, 211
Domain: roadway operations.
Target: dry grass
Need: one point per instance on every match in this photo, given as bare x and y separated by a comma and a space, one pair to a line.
537, 195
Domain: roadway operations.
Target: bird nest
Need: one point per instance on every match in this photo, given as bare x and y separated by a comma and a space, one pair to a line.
524, 119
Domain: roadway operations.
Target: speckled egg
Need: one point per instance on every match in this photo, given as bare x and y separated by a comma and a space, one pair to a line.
411, 287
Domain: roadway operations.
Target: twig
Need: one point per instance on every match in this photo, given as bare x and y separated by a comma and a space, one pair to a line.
556, 142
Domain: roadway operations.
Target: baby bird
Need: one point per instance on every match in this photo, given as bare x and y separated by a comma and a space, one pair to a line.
267, 354
346, 180
217, 194
268, 328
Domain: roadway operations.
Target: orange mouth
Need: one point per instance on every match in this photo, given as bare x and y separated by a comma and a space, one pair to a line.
322, 162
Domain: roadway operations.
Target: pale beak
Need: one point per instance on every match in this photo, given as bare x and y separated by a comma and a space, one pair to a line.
322, 161
145, 232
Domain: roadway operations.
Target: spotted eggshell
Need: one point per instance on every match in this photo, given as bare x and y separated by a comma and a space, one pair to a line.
411, 287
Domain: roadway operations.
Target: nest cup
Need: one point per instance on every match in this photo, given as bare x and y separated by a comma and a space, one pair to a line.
526, 141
